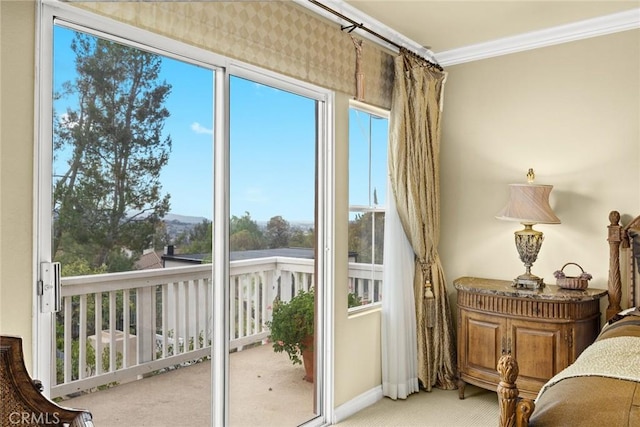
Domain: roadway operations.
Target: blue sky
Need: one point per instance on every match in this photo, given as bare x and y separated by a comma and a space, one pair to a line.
363, 182
272, 143
272, 152
188, 175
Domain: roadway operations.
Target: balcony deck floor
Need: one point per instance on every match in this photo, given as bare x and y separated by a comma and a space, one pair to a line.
266, 389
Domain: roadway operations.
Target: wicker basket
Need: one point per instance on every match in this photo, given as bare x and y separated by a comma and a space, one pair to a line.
570, 282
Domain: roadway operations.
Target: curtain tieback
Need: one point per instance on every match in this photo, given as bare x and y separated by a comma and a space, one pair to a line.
429, 305
429, 296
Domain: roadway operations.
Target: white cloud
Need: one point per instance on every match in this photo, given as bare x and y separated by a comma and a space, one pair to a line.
198, 128
255, 195
66, 122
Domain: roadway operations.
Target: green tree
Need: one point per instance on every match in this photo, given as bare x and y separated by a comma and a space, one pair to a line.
197, 240
362, 236
161, 236
278, 232
245, 234
301, 237
109, 197
80, 267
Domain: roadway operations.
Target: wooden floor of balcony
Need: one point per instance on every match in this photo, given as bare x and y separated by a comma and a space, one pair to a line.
266, 389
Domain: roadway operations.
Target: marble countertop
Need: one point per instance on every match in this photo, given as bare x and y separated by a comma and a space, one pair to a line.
505, 288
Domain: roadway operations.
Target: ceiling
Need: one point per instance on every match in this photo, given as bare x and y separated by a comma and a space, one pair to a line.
451, 24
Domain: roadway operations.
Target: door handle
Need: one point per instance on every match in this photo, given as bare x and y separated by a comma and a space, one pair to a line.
49, 287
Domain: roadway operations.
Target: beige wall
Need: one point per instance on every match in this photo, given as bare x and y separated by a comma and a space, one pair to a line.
572, 113
17, 38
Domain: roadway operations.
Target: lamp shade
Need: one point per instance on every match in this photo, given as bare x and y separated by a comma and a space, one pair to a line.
529, 204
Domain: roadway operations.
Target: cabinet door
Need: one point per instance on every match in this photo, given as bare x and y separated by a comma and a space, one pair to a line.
541, 349
481, 341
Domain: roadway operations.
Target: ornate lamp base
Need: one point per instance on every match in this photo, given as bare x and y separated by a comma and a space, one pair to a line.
528, 281
528, 243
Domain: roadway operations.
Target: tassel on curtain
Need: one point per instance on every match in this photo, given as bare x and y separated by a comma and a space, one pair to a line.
414, 149
429, 299
429, 306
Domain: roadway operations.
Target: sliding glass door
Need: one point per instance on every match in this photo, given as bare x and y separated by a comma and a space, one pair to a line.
272, 243
131, 199
183, 200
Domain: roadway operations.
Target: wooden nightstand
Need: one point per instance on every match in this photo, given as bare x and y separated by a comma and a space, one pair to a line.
544, 329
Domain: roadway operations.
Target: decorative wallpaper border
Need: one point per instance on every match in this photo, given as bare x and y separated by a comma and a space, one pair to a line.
277, 35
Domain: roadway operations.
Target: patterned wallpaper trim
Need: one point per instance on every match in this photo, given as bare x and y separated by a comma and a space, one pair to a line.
277, 35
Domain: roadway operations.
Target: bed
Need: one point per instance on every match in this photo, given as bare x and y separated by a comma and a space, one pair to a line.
602, 387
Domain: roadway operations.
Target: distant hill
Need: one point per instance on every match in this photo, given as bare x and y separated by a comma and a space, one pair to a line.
178, 224
184, 218
305, 225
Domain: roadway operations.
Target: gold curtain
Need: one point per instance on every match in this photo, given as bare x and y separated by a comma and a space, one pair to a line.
414, 166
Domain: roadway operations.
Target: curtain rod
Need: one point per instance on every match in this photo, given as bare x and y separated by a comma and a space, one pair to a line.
356, 25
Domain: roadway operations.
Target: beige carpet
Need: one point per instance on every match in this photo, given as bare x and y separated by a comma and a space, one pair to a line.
438, 408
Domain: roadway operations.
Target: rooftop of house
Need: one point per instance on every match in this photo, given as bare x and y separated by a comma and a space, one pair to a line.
307, 253
149, 259
198, 258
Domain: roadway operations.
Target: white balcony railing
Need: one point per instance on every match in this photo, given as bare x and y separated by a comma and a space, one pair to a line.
153, 320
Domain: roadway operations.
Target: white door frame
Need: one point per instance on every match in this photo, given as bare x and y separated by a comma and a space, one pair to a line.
325, 189
43, 323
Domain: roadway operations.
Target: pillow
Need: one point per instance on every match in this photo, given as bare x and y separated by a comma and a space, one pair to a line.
625, 323
633, 311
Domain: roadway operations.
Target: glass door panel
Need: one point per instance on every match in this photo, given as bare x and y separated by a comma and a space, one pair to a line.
272, 254
132, 201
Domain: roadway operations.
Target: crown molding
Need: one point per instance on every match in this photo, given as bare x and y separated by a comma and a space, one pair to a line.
608, 24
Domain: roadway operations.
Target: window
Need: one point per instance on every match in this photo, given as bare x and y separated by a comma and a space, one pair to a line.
368, 141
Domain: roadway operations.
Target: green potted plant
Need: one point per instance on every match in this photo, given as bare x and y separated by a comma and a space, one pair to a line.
292, 329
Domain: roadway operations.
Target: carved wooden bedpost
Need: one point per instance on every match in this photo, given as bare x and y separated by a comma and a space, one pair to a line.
514, 411
616, 237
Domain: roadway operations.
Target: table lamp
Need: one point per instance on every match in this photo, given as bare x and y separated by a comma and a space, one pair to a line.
529, 204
